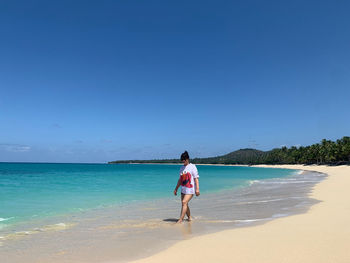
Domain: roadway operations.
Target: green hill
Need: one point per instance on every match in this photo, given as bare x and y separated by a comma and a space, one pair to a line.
242, 156
326, 152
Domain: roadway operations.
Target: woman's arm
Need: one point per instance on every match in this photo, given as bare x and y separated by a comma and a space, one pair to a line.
177, 186
197, 186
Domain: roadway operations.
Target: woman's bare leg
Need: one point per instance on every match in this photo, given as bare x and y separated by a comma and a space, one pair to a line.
185, 200
188, 213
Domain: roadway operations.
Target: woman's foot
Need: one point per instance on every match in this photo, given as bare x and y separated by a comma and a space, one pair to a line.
179, 221
190, 218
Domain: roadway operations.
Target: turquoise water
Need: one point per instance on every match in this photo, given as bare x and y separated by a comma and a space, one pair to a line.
39, 190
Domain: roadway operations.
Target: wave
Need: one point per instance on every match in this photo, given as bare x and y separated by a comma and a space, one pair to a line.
261, 201
24, 233
290, 182
250, 220
279, 215
5, 219
253, 182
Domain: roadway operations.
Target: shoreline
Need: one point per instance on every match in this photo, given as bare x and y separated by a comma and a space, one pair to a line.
321, 234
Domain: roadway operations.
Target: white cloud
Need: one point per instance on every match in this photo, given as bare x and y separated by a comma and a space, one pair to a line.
15, 147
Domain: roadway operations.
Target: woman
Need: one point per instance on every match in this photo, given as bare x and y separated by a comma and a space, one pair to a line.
189, 185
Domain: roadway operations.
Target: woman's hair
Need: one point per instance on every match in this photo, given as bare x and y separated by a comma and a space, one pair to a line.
185, 156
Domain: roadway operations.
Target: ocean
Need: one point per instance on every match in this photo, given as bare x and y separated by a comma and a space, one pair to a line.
121, 205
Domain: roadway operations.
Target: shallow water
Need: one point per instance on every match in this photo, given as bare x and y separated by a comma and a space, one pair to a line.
112, 233
33, 191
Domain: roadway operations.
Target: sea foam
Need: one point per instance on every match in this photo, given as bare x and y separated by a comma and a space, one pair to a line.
5, 219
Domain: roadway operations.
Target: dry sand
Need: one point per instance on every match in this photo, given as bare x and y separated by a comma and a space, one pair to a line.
320, 235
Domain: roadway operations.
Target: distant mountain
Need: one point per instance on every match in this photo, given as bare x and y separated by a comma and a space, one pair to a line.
326, 152
242, 156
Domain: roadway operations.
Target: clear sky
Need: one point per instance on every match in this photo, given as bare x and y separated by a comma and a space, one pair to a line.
96, 81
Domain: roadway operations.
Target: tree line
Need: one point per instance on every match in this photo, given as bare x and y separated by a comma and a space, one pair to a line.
326, 152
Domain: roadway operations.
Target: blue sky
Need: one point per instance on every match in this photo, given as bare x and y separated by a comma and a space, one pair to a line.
95, 81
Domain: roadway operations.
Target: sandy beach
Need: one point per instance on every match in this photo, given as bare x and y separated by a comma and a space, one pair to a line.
320, 235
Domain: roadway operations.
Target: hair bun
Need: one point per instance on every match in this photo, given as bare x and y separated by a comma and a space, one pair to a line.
185, 156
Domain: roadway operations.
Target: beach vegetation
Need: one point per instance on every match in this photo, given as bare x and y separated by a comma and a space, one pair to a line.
326, 152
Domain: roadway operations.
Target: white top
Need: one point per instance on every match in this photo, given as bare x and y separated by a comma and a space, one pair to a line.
187, 175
